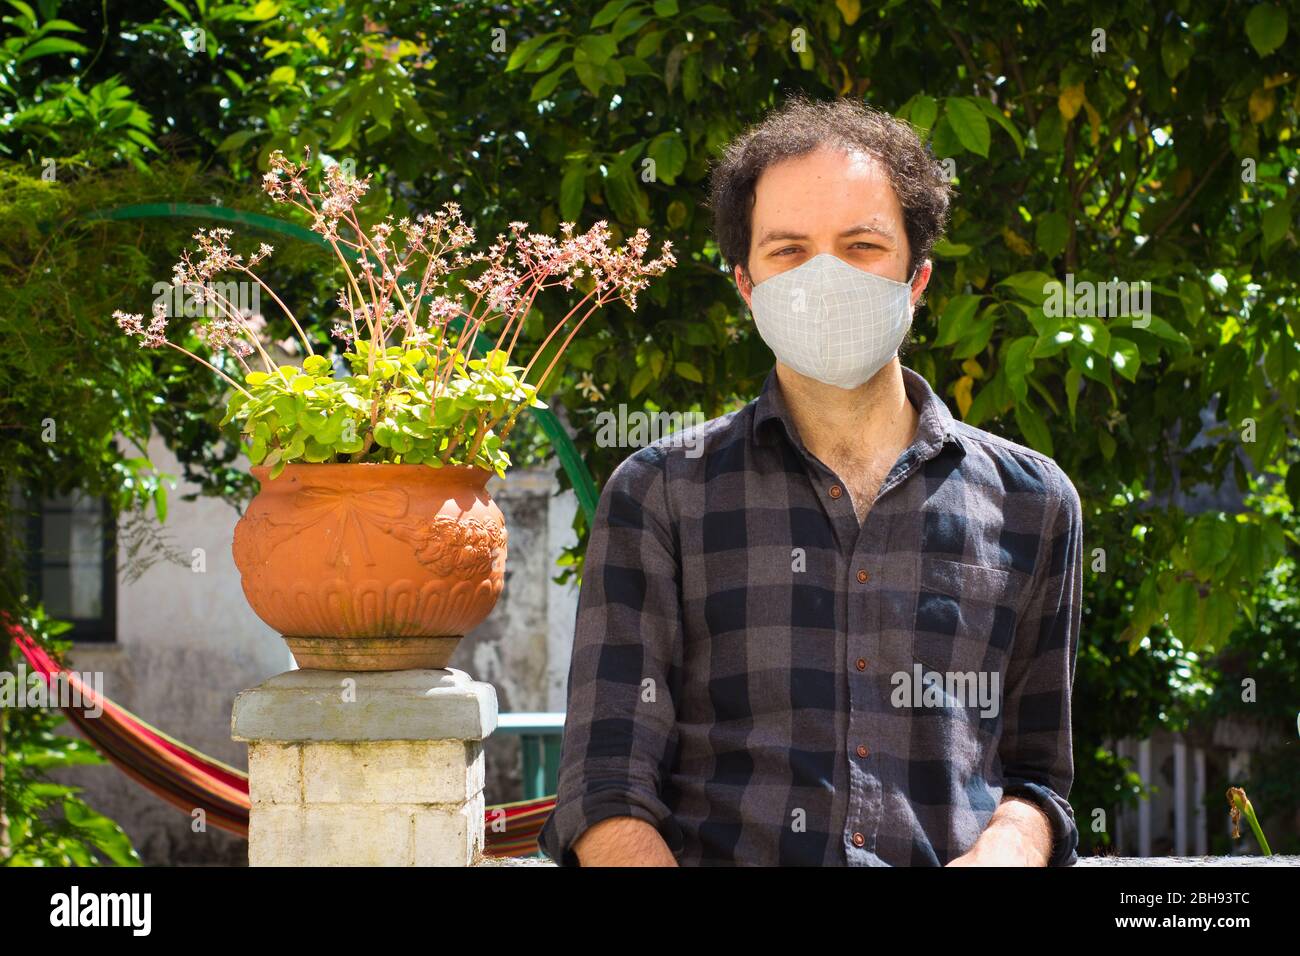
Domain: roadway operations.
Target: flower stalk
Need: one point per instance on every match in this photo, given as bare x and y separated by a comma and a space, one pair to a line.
1240, 806
407, 384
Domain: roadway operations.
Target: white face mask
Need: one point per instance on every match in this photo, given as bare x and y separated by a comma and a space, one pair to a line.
832, 321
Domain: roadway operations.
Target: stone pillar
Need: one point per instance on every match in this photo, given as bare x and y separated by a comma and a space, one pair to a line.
350, 768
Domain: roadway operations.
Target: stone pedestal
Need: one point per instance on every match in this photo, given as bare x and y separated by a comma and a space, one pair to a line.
351, 768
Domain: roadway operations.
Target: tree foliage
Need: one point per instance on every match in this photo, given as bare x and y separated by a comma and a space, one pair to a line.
1090, 143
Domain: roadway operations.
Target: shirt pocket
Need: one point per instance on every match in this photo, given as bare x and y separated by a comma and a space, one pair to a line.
965, 615
961, 640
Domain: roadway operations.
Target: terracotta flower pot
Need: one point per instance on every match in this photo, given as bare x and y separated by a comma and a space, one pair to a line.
372, 566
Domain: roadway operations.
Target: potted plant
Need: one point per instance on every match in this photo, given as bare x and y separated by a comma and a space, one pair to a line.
373, 543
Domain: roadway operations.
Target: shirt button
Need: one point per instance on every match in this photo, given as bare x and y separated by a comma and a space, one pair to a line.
836, 491
862, 664
863, 577
859, 839
862, 751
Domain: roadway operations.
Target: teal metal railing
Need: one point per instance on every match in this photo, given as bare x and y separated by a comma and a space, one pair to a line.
539, 739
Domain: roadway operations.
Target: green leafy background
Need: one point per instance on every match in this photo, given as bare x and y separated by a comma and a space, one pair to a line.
1140, 142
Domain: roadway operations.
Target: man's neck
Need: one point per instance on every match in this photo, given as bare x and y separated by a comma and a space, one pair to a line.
857, 432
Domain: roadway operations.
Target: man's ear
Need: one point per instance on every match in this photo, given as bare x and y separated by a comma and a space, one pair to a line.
920, 280
744, 284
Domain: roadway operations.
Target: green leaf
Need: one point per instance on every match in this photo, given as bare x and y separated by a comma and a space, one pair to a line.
1093, 335
545, 86
1293, 484
989, 109
237, 139
608, 13
1106, 443
1018, 365
1175, 51
1215, 620
710, 13
1125, 358
950, 250
316, 365
922, 111
48, 46
595, 49
969, 123
1275, 223
1210, 543
1030, 286
669, 153
524, 52
957, 318
1266, 27
624, 196
1181, 605
1050, 234
1073, 378
573, 190
1033, 428
641, 380
1146, 612
688, 371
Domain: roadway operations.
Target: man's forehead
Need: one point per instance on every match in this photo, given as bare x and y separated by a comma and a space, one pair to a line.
875, 225
852, 190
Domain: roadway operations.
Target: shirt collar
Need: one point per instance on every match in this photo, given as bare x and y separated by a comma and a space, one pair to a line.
935, 426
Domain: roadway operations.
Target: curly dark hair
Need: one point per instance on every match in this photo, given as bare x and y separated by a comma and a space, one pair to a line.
801, 126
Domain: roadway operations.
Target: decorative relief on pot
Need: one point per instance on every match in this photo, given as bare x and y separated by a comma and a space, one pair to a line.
463, 547
341, 509
373, 608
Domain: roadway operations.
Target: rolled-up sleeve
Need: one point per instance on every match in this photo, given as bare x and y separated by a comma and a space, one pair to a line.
1036, 750
620, 725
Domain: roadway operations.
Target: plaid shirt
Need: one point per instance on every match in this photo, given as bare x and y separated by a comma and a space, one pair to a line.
743, 647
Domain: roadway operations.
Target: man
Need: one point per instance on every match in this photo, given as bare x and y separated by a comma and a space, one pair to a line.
846, 633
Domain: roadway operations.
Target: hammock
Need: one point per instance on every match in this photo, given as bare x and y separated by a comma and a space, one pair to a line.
189, 780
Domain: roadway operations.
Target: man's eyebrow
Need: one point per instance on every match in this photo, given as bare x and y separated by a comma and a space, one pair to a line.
869, 228
866, 228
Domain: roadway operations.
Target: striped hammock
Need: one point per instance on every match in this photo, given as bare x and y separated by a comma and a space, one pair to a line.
189, 780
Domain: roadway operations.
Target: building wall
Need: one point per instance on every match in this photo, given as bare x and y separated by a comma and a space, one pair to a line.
188, 643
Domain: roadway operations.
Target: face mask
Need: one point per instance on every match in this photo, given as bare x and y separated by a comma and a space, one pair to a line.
832, 321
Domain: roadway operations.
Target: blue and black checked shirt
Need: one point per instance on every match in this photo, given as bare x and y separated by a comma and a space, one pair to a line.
742, 645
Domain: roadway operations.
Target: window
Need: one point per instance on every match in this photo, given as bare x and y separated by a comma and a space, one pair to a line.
72, 564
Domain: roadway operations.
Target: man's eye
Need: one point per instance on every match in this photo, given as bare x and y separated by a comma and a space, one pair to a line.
781, 252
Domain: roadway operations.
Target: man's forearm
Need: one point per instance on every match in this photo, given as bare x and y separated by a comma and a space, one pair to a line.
1018, 834
623, 841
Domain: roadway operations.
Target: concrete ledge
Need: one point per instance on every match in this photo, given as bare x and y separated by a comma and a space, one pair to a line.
1189, 861
316, 705
1089, 861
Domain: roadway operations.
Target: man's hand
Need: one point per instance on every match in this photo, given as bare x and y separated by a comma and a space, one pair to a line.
1019, 834
623, 841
